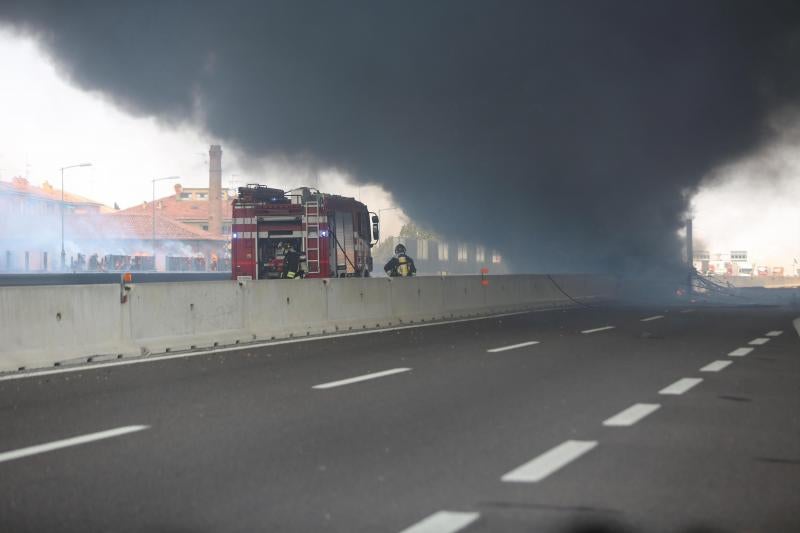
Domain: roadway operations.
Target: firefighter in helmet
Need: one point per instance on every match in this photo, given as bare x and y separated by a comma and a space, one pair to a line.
291, 262
401, 265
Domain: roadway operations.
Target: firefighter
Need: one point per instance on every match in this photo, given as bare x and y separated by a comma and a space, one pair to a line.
291, 262
401, 265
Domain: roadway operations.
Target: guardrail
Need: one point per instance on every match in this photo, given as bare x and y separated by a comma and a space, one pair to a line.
51, 325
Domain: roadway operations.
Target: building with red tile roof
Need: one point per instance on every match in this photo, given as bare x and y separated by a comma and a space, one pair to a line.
31, 230
20, 197
190, 206
139, 226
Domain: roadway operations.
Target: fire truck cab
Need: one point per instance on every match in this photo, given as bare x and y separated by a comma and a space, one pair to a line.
333, 234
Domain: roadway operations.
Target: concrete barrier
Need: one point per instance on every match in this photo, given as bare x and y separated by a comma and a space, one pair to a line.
181, 316
359, 303
42, 326
463, 295
278, 309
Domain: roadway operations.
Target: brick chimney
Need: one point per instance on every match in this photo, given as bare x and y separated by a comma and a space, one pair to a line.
215, 190
178, 191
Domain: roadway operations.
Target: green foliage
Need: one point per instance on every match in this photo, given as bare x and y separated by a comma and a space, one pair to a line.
411, 231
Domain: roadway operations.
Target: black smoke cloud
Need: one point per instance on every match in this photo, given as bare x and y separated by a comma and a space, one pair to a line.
568, 134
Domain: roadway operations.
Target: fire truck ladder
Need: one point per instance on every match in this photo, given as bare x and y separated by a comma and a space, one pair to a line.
312, 237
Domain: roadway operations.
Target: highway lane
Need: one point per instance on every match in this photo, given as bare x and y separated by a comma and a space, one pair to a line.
242, 441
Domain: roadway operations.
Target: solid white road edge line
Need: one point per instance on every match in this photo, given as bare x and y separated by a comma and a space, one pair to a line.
656, 317
357, 379
759, 341
775, 333
597, 329
632, 414
512, 347
680, 386
740, 352
65, 443
796, 324
715, 366
443, 522
241, 347
549, 462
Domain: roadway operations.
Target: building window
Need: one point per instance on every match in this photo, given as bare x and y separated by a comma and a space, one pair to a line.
201, 195
422, 249
462, 253
205, 227
480, 254
444, 252
226, 229
186, 195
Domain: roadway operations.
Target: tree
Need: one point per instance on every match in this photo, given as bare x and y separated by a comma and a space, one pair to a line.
411, 231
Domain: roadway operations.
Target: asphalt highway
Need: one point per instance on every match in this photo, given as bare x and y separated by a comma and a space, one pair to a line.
594, 419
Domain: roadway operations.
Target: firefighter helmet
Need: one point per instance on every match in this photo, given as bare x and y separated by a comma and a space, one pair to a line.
399, 249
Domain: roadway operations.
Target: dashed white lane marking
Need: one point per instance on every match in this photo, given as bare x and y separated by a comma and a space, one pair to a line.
688, 311
740, 352
66, 443
245, 347
650, 318
595, 330
443, 522
775, 333
513, 346
715, 366
632, 414
549, 462
759, 341
680, 386
356, 379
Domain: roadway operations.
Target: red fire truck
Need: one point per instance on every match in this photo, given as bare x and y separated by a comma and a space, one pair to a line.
333, 234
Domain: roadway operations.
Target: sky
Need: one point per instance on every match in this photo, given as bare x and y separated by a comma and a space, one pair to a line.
745, 204
48, 124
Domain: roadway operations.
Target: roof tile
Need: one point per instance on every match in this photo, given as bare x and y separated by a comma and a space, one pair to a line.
137, 226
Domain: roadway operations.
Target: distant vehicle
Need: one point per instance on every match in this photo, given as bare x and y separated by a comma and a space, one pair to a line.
777, 271
744, 270
762, 270
718, 268
333, 234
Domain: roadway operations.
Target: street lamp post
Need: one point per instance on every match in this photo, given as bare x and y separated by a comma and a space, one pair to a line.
63, 253
154, 180
385, 209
